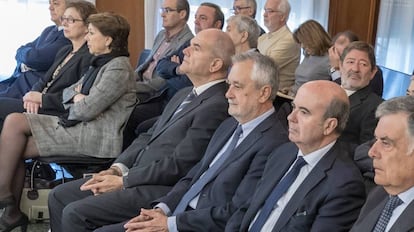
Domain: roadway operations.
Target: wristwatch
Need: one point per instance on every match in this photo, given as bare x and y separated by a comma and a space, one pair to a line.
333, 69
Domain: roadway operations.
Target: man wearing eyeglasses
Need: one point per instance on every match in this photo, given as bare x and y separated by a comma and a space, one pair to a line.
35, 58
208, 15
278, 43
246, 7
150, 86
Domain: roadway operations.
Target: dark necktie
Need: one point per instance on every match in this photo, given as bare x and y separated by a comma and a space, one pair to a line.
208, 174
392, 203
277, 192
186, 101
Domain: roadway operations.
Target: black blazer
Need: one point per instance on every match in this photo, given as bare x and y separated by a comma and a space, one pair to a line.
171, 148
234, 181
373, 208
70, 73
362, 122
328, 200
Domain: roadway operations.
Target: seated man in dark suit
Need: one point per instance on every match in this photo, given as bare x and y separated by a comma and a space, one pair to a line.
390, 207
358, 67
156, 160
205, 198
310, 184
35, 58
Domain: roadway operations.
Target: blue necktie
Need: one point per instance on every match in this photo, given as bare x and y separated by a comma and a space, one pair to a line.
187, 100
208, 174
386, 213
277, 192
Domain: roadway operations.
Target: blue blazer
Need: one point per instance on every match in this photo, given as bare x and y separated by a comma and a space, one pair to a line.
373, 208
37, 55
328, 200
233, 183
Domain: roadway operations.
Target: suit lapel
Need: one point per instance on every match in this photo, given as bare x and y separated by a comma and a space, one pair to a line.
165, 122
280, 161
404, 222
248, 142
317, 174
356, 99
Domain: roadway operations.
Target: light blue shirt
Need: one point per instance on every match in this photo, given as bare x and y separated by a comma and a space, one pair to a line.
312, 159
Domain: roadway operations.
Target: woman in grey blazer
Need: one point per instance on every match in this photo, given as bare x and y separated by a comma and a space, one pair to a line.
98, 106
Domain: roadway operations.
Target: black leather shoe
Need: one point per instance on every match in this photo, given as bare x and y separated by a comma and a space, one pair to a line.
22, 222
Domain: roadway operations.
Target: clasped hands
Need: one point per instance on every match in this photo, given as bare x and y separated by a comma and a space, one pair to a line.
104, 181
149, 220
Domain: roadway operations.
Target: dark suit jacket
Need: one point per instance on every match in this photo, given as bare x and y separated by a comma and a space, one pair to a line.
329, 199
233, 183
170, 149
37, 55
362, 122
69, 74
373, 208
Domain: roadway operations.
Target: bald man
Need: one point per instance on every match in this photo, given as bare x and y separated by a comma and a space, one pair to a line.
325, 192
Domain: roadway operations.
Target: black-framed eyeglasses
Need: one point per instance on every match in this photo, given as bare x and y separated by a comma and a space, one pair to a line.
167, 10
237, 9
69, 20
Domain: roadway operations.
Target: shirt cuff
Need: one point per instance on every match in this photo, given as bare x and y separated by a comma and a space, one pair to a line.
124, 169
172, 224
164, 207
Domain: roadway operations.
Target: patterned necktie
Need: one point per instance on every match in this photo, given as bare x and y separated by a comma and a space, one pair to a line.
277, 192
208, 174
186, 101
392, 203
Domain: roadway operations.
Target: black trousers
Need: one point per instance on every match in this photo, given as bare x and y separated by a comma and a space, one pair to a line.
74, 210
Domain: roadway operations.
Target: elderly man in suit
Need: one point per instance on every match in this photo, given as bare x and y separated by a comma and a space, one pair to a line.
358, 67
224, 177
35, 58
278, 43
310, 184
390, 206
156, 160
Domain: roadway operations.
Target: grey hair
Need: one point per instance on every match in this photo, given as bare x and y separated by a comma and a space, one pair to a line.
339, 109
404, 104
244, 23
264, 71
253, 5
284, 6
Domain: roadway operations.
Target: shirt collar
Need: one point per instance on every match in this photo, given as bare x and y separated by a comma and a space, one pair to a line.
313, 158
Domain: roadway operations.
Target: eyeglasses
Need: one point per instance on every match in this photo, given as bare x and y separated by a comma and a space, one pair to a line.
69, 20
167, 10
237, 9
270, 11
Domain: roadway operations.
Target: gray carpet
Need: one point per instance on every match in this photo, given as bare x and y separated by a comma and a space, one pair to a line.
36, 227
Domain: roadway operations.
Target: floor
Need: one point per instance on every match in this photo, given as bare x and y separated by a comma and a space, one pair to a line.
36, 227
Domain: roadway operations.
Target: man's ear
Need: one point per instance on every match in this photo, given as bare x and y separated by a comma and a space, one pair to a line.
216, 65
330, 125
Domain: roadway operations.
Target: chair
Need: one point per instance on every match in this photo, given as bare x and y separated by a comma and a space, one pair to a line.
395, 83
143, 56
78, 166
